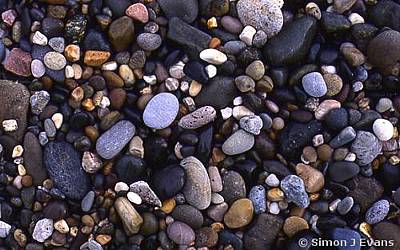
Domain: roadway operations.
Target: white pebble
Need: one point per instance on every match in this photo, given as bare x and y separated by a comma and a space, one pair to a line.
237, 101
383, 129
247, 35
109, 66
355, 18
240, 111
211, 70
43, 230
357, 86
4, 229
226, 113
350, 157
69, 72
57, 119
274, 208
384, 104
134, 198
152, 79
272, 180
328, 69
39, 39
10, 125
213, 56
318, 140
121, 186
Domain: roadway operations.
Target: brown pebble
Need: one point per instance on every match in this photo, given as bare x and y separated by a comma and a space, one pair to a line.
294, 225
168, 206
130, 218
27, 181
239, 214
313, 178
334, 84
324, 152
117, 98
72, 53
275, 194
113, 80
96, 58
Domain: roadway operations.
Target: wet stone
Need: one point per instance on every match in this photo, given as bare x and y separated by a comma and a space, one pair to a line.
224, 87
115, 139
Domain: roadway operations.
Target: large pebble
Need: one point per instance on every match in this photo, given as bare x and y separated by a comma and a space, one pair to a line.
121, 33
213, 56
252, 124
180, 233
114, 140
313, 178
189, 215
384, 49
387, 230
239, 214
383, 129
131, 219
238, 143
342, 170
198, 118
366, 147
161, 111
54, 60
186, 10
169, 181
294, 189
350, 239
63, 164
377, 212
18, 62
197, 189
234, 186
43, 230
261, 14
314, 84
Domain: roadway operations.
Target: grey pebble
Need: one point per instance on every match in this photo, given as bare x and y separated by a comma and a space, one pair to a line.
366, 147
257, 196
234, 186
234, 47
252, 124
149, 41
114, 140
256, 70
345, 205
314, 84
43, 230
38, 101
345, 136
50, 128
293, 187
57, 43
377, 212
143, 189
87, 201
198, 118
161, 111
239, 142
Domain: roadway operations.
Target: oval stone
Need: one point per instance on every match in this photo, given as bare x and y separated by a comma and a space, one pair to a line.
198, 118
197, 189
161, 111
114, 140
180, 233
54, 60
238, 143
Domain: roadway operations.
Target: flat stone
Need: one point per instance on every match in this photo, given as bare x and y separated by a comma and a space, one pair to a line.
294, 189
33, 160
18, 62
131, 219
138, 12
186, 10
14, 101
180, 233
239, 214
238, 143
314, 84
261, 14
198, 118
43, 230
197, 189
161, 111
291, 44
63, 165
115, 139
377, 212
366, 147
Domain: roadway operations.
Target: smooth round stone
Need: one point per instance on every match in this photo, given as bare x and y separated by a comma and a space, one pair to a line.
342, 170
37, 68
234, 186
366, 147
294, 189
337, 119
189, 215
256, 70
198, 118
231, 24
239, 214
87, 201
313, 179
63, 165
197, 188
345, 205
347, 236
54, 60
333, 83
57, 43
169, 181
213, 56
186, 10
377, 212
383, 129
115, 139
161, 111
293, 225
261, 14
180, 233
245, 83
257, 196
149, 41
314, 84
384, 104
379, 46
252, 124
130, 168
150, 224
138, 12
238, 143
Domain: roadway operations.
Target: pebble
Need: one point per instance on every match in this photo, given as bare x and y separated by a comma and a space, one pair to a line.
377, 49
341, 171
334, 84
234, 186
383, 129
239, 142
293, 225
15, 104
57, 43
345, 136
251, 124
63, 165
87, 201
134, 198
184, 10
198, 118
149, 41
366, 147
294, 189
4, 229
91, 163
261, 14
18, 62
347, 236
197, 188
345, 205
164, 103
337, 119
115, 139
366, 191
169, 181
180, 233
324, 108
314, 84
138, 12
54, 60
189, 215
257, 197
240, 214
247, 35
39, 39
313, 179
224, 87
131, 219
384, 104
143, 189
39, 101
377, 212
272, 180
37, 68
245, 83
213, 56
96, 58
43, 230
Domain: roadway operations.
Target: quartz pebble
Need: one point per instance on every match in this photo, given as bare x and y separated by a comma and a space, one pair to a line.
247, 35
213, 56
161, 111
55, 61
383, 129
43, 230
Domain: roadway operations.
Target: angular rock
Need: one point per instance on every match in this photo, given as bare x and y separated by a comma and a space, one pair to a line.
294, 189
18, 62
145, 192
63, 165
